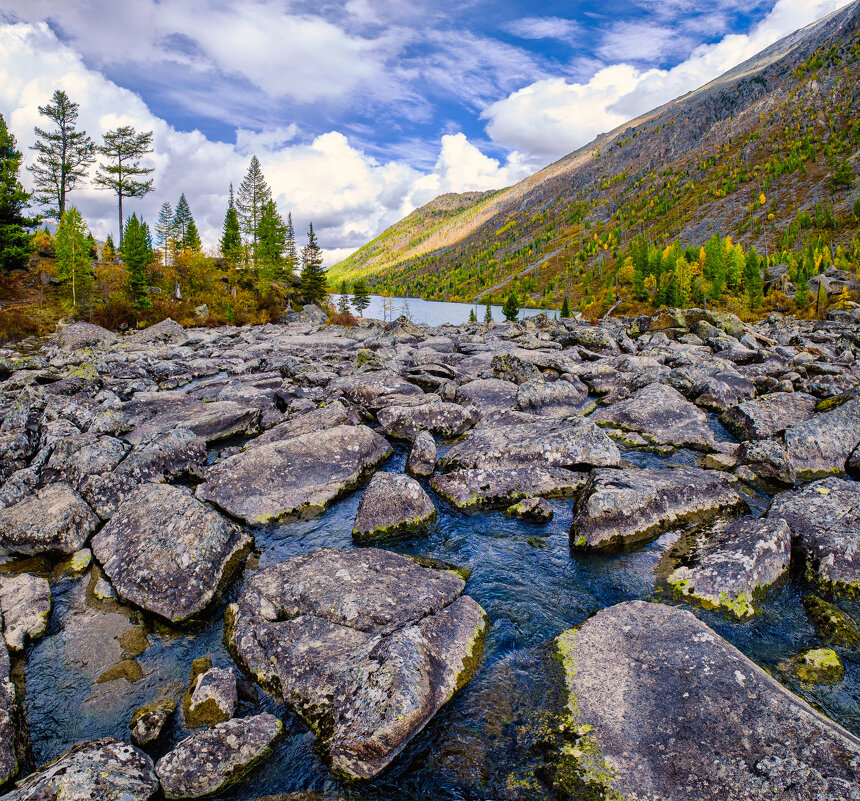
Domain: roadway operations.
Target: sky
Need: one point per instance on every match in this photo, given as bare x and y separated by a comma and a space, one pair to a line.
361, 110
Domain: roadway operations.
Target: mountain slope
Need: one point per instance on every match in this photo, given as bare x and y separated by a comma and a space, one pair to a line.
776, 125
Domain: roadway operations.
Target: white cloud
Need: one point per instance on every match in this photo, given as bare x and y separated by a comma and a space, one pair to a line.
543, 28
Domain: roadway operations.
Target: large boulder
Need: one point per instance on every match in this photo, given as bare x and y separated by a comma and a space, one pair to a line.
296, 477
768, 415
25, 602
439, 418
366, 646
552, 398
822, 445
368, 389
488, 395
167, 552
76, 336
392, 504
626, 507
422, 456
500, 488
80, 455
328, 416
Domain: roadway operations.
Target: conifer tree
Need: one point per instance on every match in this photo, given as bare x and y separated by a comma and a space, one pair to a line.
122, 173
164, 230
231, 235
488, 313
752, 279
192, 238
511, 308
473, 318
565, 308
64, 154
73, 261
14, 239
360, 296
271, 240
343, 300
314, 281
135, 255
182, 220
109, 249
253, 194
291, 257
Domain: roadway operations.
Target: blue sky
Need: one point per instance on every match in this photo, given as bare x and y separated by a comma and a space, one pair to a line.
361, 110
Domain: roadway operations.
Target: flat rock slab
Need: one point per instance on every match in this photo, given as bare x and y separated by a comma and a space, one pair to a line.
624, 507
488, 395
391, 505
367, 389
768, 415
25, 602
468, 489
366, 646
105, 769
822, 445
552, 399
676, 713
167, 552
824, 518
731, 562
330, 415
299, 477
55, 520
569, 443
662, 415
441, 419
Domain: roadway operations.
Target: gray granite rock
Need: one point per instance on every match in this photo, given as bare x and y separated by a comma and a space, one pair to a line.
768, 415
78, 335
499, 488
213, 698
149, 722
534, 510
488, 395
25, 602
422, 456
391, 505
552, 399
822, 445
328, 416
441, 419
78, 456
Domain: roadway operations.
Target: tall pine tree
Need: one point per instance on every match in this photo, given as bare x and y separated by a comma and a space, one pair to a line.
64, 154
164, 233
360, 295
314, 281
231, 235
135, 254
73, 259
182, 219
253, 195
271, 239
291, 256
14, 239
752, 279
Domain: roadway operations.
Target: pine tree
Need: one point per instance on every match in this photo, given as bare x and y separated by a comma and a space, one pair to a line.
271, 240
473, 318
231, 235
73, 261
565, 308
360, 296
64, 154
314, 281
752, 279
343, 300
511, 308
182, 220
14, 239
291, 258
253, 194
109, 250
488, 313
192, 238
135, 255
124, 148
164, 230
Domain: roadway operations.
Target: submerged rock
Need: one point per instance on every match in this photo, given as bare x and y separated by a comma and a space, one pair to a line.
468, 489
392, 504
25, 602
816, 666
366, 646
768, 415
831, 623
148, 723
422, 456
535, 510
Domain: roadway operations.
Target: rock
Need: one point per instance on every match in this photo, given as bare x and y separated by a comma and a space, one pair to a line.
662, 415
488, 395
25, 602
366, 646
540, 443
213, 698
535, 510
832, 625
768, 461
55, 520
816, 666
78, 456
211, 760
298, 477
8, 756
366, 389
552, 399
442, 419
731, 563
165, 332
660, 706
626, 507
331, 415
105, 769
468, 489
824, 518
768, 415
83, 335
201, 313
513, 368
422, 456
822, 445
392, 505
168, 553
148, 723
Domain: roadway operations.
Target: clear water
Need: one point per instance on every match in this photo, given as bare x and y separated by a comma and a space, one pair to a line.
436, 312
524, 575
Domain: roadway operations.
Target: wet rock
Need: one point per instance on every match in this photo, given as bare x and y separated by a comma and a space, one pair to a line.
488, 395
442, 419
468, 489
816, 666
148, 723
105, 769
56, 520
298, 477
392, 505
822, 445
422, 456
366, 646
534, 510
824, 518
25, 602
168, 553
552, 399
213, 698
625, 507
661, 415
832, 625
731, 563
83, 335
768, 415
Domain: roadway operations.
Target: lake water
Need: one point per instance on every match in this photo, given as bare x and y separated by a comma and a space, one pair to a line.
436, 312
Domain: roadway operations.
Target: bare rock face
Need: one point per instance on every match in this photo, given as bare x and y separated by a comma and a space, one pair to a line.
824, 518
422, 456
366, 646
55, 520
105, 769
822, 445
25, 602
625, 507
168, 553
768, 415
297, 477
392, 504
468, 489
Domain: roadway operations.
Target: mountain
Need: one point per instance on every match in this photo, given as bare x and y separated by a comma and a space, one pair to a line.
778, 127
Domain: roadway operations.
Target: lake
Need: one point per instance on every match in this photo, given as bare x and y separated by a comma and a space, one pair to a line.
435, 312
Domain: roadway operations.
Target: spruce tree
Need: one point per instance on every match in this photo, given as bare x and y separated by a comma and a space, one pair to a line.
565, 308
73, 261
360, 296
135, 255
253, 194
271, 240
124, 148
343, 300
109, 250
231, 235
488, 313
64, 154
164, 230
511, 308
291, 257
192, 238
14, 239
182, 221
752, 279
314, 281
473, 318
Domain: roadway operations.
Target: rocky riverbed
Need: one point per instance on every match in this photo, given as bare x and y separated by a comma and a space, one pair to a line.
536, 560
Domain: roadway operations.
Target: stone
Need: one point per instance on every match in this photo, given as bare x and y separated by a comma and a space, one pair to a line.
366, 646
816, 666
328, 416
661, 415
164, 332
149, 722
552, 399
25, 602
534, 510
822, 445
621, 508
768, 461
212, 760
513, 368
78, 456
731, 563
488, 395
832, 625
81, 334
824, 518
8, 755
422, 456
105, 769
299, 477
768, 415
442, 419
55, 520
391, 505
212, 699
367, 389
468, 489
168, 553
